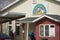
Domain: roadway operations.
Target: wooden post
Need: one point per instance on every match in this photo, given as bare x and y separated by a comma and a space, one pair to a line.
23, 31
1, 28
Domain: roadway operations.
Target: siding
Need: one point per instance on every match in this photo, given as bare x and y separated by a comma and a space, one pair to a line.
48, 21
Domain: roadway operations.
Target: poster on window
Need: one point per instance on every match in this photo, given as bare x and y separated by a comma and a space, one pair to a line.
52, 32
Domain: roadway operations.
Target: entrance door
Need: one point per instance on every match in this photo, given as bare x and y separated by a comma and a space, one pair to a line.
18, 32
32, 27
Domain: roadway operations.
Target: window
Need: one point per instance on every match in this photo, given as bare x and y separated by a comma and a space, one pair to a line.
10, 31
17, 29
41, 30
47, 30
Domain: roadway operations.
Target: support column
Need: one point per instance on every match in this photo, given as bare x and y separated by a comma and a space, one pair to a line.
15, 31
27, 31
1, 28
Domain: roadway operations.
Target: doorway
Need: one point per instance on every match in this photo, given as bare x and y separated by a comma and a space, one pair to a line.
32, 27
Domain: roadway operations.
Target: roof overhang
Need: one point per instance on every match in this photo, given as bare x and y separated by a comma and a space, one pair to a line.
10, 16
58, 0
10, 3
46, 17
54, 1
37, 19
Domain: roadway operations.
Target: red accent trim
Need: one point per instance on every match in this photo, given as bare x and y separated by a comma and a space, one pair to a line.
22, 32
22, 36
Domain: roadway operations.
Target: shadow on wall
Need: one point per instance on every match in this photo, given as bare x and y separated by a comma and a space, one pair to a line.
54, 1
13, 6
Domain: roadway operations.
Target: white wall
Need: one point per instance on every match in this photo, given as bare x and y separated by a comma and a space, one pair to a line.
27, 7
53, 9
5, 28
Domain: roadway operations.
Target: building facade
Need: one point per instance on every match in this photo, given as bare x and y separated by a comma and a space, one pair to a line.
32, 8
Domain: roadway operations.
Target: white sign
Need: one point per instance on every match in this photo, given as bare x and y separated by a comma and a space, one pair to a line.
52, 32
17, 24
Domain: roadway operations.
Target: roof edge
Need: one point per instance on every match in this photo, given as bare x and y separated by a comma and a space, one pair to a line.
47, 17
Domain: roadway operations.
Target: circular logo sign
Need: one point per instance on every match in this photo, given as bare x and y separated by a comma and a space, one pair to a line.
39, 9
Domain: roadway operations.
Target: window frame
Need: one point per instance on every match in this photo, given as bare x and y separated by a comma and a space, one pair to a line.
18, 25
44, 29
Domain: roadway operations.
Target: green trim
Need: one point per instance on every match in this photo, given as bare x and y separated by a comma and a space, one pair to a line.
39, 6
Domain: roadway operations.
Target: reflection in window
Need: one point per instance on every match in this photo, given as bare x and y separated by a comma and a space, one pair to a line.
46, 33
42, 30
42, 33
41, 27
46, 30
46, 27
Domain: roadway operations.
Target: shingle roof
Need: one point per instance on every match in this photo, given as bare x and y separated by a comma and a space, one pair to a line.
54, 16
29, 19
4, 4
34, 19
